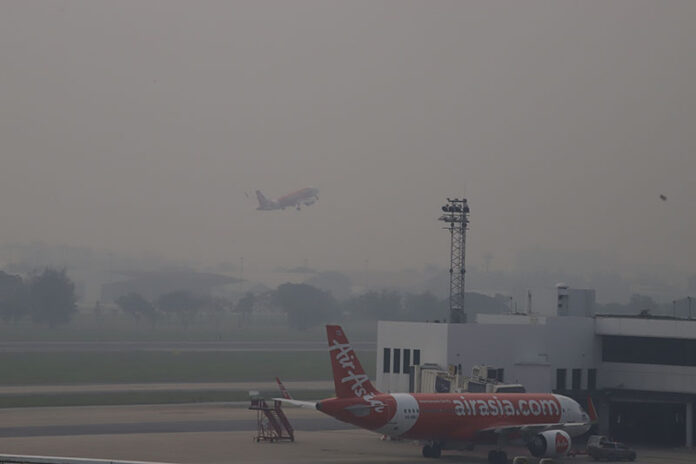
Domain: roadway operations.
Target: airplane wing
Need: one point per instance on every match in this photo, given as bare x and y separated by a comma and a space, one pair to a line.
301, 404
361, 410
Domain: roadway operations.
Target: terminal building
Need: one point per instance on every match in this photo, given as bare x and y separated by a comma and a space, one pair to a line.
639, 370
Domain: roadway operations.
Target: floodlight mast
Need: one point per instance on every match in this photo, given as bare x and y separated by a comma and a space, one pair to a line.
456, 217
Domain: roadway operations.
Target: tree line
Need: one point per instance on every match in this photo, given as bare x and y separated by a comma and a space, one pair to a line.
306, 306
180, 306
303, 305
46, 297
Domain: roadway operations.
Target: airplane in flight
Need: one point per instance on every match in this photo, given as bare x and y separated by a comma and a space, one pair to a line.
544, 422
306, 196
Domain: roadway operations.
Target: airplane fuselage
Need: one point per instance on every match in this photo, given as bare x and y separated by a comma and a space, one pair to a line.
303, 197
458, 417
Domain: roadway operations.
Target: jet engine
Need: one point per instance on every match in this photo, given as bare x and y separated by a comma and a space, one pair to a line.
550, 444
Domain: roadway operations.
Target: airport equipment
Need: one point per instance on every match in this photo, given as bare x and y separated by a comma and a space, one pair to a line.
431, 378
271, 422
600, 447
456, 217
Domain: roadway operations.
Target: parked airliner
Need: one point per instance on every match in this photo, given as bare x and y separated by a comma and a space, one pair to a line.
544, 422
306, 196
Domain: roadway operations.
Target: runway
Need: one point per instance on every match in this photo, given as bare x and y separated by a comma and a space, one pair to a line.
214, 433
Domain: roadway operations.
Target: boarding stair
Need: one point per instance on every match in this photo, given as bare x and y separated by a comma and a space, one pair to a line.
271, 422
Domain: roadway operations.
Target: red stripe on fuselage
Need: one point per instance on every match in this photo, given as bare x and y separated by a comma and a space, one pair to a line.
450, 416
462, 416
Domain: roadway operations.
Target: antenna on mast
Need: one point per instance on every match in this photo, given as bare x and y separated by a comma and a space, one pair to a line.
456, 217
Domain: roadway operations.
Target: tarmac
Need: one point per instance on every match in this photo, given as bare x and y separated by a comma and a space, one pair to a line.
222, 433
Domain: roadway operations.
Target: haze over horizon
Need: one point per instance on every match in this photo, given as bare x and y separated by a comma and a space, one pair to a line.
138, 127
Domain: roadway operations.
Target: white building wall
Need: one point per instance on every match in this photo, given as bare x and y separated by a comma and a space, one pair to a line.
428, 337
499, 345
572, 343
528, 352
647, 377
578, 302
635, 327
518, 319
535, 377
544, 301
531, 352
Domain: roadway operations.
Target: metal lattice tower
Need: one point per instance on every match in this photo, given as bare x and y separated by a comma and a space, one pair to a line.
456, 216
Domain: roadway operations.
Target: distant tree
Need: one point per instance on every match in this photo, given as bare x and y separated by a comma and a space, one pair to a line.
245, 306
14, 298
612, 308
306, 306
339, 285
215, 309
181, 304
640, 303
478, 303
136, 306
375, 305
424, 307
52, 298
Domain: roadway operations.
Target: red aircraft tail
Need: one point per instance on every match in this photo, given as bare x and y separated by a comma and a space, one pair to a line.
283, 390
350, 379
591, 411
264, 203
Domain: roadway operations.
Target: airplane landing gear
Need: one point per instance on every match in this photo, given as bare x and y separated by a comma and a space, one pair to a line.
432, 450
497, 457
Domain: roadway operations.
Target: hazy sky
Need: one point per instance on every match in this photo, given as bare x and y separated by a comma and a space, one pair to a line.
139, 126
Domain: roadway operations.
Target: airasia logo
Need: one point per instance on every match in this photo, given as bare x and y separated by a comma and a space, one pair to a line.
562, 444
345, 357
466, 406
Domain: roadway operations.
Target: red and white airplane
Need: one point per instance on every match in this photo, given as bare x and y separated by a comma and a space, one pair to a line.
306, 196
544, 422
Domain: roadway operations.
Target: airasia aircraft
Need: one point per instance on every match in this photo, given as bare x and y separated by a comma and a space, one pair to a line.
305, 196
544, 422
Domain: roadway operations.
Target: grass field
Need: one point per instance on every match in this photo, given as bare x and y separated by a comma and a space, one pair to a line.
63, 368
114, 367
120, 398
